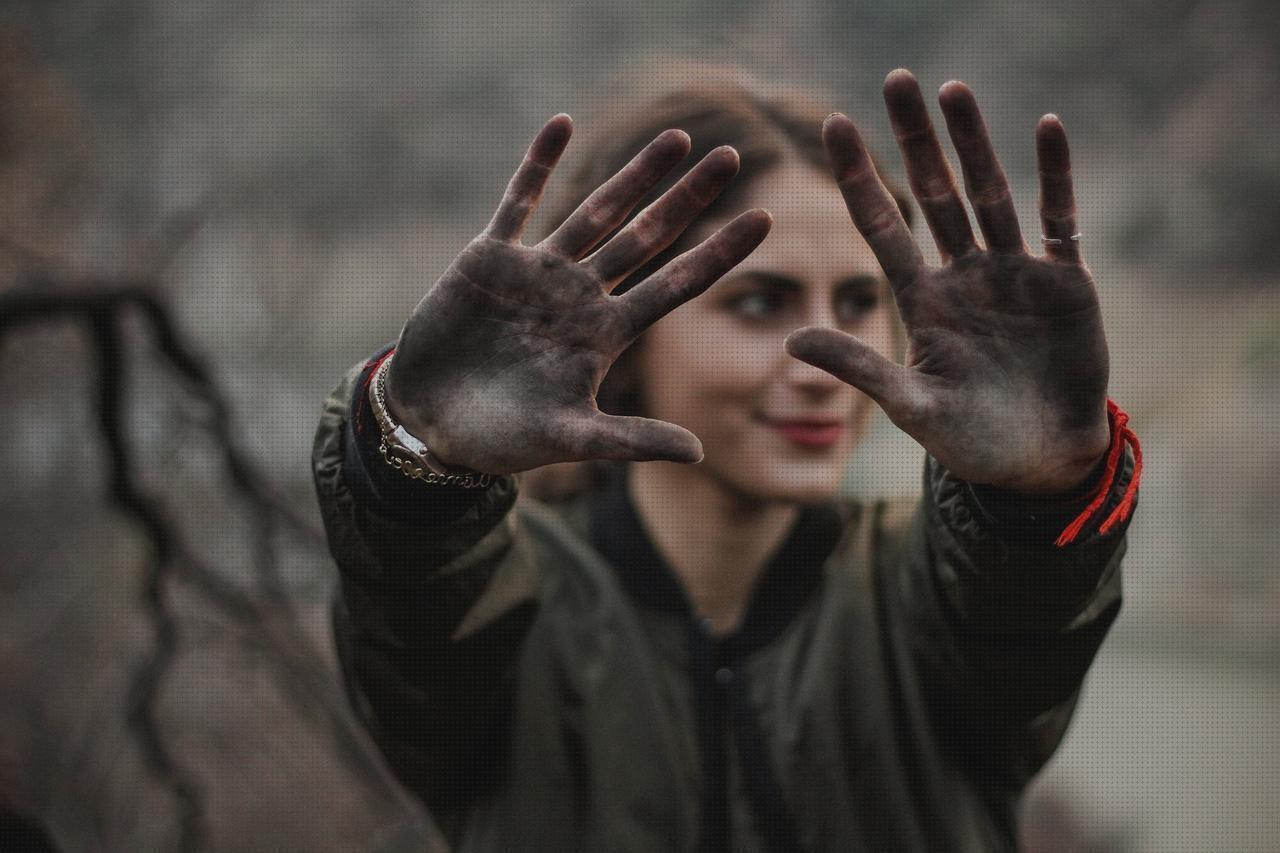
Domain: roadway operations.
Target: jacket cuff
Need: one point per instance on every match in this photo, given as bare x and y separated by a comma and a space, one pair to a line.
1006, 575
380, 488
1032, 516
1093, 508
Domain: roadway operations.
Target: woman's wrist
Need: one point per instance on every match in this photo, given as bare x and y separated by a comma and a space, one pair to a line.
406, 450
404, 414
1103, 490
1072, 470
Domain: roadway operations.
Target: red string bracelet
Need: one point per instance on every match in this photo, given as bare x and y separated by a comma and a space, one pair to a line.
1121, 434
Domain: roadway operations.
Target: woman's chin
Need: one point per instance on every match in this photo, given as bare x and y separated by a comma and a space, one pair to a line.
771, 468
813, 492
805, 484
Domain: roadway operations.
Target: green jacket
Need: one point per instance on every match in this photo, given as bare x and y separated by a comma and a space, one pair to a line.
534, 673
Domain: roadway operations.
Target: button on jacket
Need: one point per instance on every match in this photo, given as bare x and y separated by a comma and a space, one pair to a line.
535, 674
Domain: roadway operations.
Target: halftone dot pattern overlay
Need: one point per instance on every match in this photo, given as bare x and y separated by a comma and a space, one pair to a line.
213, 215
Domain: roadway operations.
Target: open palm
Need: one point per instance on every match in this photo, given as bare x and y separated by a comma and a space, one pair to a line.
1006, 373
498, 367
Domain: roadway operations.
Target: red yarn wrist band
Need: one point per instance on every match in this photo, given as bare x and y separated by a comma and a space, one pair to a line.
1121, 435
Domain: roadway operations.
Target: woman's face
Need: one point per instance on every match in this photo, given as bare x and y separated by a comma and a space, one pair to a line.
771, 426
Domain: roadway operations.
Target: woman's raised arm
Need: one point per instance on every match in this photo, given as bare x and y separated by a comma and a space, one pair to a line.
496, 370
1005, 385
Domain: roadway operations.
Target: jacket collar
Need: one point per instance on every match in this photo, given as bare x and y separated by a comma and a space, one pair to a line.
792, 576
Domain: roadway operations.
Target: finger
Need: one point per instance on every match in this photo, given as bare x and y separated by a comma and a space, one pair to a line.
855, 363
601, 436
873, 210
1057, 199
658, 225
694, 271
927, 170
984, 179
605, 208
527, 184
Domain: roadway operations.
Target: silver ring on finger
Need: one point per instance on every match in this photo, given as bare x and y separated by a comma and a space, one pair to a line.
1057, 241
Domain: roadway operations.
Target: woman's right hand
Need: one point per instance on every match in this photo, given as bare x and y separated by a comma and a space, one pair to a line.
498, 367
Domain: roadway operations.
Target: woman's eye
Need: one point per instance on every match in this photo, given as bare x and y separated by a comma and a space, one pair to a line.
854, 306
767, 304
755, 306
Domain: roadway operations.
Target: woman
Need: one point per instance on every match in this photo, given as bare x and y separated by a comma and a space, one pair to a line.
720, 655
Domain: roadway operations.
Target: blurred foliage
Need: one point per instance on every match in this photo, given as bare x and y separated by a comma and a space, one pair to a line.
346, 113
1261, 353
1245, 193
44, 161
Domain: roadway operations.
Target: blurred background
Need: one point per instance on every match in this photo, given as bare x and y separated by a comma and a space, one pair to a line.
209, 211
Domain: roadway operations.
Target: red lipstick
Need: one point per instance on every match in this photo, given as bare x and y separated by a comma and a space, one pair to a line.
815, 434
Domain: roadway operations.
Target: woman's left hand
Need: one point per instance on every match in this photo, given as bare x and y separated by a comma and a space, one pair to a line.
1005, 378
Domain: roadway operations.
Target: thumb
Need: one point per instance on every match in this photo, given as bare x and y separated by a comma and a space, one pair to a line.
601, 436
851, 361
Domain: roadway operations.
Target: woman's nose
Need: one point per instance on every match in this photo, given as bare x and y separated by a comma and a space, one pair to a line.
802, 374
820, 312
806, 377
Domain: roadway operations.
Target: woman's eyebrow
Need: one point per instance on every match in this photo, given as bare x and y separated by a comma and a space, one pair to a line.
781, 281
775, 280
858, 282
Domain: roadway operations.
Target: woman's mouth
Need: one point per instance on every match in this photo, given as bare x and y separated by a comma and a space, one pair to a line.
810, 433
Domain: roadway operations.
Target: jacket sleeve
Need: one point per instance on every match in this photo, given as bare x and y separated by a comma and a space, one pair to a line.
437, 589
1000, 624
